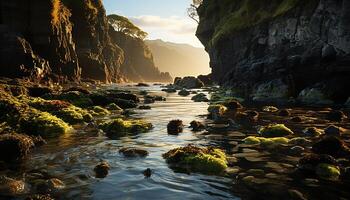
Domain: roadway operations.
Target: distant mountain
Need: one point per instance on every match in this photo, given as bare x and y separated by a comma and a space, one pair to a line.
179, 59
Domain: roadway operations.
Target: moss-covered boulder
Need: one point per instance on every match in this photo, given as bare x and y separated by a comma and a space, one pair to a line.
216, 111
195, 159
99, 111
74, 97
266, 142
120, 127
35, 122
14, 147
61, 109
275, 130
327, 171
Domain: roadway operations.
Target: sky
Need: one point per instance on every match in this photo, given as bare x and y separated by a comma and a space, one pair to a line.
161, 19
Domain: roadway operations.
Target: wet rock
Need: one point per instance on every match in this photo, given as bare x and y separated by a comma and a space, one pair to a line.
39, 197
309, 163
270, 109
336, 116
159, 98
184, 93
11, 187
188, 82
114, 107
312, 132
38, 140
78, 89
201, 97
327, 171
195, 159
14, 147
284, 113
233, 105
256, 172
332, 146
197, 126
297, 119
216, 111
133, 152
104, 100
99, 111
142, 85
333, 130
275, 130
297, 150
52, 185
300, 141
169, 90
39, 91
74, 97
143, 92
147, 173
175, 127
119, 127
296, 195
102, 169
247, 118
149, 99
144, 107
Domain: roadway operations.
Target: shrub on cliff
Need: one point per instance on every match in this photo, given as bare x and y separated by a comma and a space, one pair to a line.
124, 25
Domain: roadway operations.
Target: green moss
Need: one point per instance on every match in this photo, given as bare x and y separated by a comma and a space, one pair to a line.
234, 15
99, 111
35, 122
74, 97
275, 130
114, 107
203, 160
119, 127
327, 171
217, 109
61, 109
266, 142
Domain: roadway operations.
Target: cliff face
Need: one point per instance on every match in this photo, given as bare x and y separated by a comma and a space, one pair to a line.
58, 38
138, 63
34, 42
99, 58
278, 49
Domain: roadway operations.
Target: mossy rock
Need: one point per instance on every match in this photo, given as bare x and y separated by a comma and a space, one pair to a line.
114, 107
195, 159
119, 127
61, 109
14, 147
275, 130
99, 111
74, 97
266, 142
327, 171
35, 122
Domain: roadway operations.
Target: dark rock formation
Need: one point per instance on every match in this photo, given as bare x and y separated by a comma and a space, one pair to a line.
36, 40
278, 49
138, 63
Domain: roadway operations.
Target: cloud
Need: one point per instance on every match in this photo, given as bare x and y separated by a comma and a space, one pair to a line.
172, 25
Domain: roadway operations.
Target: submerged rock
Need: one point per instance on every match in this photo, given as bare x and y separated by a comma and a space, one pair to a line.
332, 146
201, 97
175, 127
119, 127
101, 170
195, 159
184, 93
133, 152
147, 173
11, 187
14, 147
197, 126
275, 130
336, 116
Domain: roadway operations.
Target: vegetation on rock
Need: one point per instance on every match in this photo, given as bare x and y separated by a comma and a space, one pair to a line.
275, 130
119, 127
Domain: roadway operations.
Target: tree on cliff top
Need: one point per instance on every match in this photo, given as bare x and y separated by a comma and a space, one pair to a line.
192, 10
124, 25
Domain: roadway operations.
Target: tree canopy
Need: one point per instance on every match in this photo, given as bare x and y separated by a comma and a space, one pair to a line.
192, 10
124, 25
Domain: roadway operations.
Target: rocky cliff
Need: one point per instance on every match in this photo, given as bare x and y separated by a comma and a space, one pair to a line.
66, 39
277, 49
138, 65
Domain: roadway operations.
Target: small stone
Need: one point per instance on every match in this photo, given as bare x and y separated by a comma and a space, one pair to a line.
333, 130
175, 127
184, 93
133, 152
197, 126
284, 113
147, 173
336, 116
144, 107
102, 169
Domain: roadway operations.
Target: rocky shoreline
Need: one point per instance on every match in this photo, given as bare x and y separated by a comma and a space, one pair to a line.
269, 152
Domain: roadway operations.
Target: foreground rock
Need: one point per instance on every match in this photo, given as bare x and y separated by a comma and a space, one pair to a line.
101, 170
195, 159
14, 147
119, 127
11, 187
275, 130
175, 127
